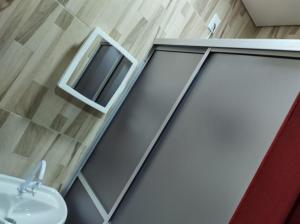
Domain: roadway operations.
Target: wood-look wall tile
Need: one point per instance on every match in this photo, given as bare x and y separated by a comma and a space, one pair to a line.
11, 132
135, 32
59, 122
5, 14
71, 111
64, 20
37, 18
186, 9
168, 14
194, 28
13, 61
15, 21
145, 39
127, 12
199, 5
73, 6
133, 19
59, 156
72, 161
14, 165
248, 30
35, 137
45, 68
39, 39
149, 8
32, 69
62, 53
31, 100
56, 155
210, 8
115, 34
81, 126
293, 30
90, 10
175, 17
7, 31
49, 108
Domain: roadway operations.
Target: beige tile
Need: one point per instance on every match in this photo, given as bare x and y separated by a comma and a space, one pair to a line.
31, 100
132, 20
49, 108
175, 20
136, 30
81, 126
11, 132
73, 5
13, 61
45, 31
59, 157
8, 29
186, 9
6, 14
71, 111
37, 18
115, 34
194, 28
44, 69
31, 70
15, 21
93, 10
59, 122
64, 20
14, 165
35, 138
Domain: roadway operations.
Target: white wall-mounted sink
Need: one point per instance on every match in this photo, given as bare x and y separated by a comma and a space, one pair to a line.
47, 206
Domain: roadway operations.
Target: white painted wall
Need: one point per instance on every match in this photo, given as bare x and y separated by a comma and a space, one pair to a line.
274, 12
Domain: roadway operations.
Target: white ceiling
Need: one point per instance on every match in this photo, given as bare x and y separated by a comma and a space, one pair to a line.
274, 12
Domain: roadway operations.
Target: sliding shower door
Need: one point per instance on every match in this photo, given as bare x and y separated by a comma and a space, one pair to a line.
191, 134
118, 153
210, 150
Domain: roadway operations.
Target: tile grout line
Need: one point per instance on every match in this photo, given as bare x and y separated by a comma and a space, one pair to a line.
42, 125
74, 15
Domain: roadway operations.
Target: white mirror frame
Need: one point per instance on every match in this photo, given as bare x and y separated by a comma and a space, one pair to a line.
63, 82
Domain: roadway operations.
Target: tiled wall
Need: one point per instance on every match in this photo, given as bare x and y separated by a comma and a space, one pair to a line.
38, 38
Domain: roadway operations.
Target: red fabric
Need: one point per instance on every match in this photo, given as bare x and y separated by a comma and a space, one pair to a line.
274, 190
294, 217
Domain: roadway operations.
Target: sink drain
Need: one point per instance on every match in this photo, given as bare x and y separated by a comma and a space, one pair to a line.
12, 221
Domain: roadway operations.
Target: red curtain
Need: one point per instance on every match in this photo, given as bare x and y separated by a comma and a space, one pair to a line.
271, 198
294, 217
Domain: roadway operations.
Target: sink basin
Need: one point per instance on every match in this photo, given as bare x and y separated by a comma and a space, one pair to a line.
47, 206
